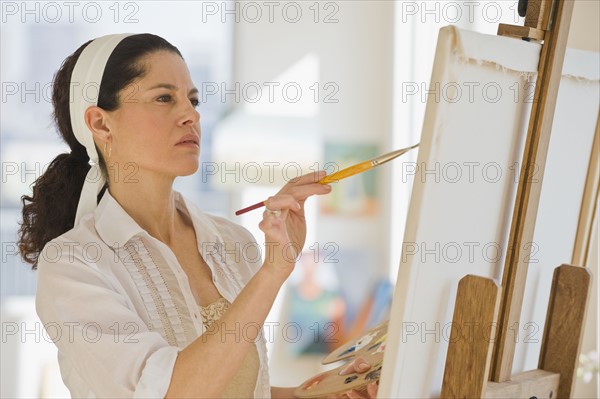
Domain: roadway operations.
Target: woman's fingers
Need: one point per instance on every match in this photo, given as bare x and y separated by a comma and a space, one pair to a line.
358, 365
289, 198
283, 219
354, 394
369, 393
301, 193
372, 389
310, 182
308, 178
282, 201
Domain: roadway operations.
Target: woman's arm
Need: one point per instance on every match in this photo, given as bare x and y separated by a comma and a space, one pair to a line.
207, 365
282, 393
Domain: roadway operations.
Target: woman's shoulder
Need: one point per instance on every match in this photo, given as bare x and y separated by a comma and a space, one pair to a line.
82, 232
77, 247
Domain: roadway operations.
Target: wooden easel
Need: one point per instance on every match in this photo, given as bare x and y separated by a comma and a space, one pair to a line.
479, 365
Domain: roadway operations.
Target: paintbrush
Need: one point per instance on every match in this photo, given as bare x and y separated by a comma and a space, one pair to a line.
347, 172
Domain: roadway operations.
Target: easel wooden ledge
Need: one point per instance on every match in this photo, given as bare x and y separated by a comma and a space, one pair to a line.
480, 367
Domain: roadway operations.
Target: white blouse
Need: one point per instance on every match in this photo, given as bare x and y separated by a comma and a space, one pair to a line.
119, 307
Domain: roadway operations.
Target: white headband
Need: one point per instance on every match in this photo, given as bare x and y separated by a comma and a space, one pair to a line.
86, 79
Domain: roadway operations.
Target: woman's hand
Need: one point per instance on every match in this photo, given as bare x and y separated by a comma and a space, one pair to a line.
284, 223
359, 365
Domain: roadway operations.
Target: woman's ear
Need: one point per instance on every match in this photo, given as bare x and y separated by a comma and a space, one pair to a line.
97, 120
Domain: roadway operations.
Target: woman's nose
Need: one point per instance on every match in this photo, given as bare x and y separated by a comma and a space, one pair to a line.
191, 114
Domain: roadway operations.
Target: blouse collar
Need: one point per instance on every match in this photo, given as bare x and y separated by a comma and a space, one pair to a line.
115, 226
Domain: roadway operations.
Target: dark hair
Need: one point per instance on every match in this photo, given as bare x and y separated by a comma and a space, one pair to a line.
50, 211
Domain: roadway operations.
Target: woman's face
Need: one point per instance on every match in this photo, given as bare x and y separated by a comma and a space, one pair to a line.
157, 112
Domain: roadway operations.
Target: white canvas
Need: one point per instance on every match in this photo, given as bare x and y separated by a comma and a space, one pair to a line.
459, 218
562, 192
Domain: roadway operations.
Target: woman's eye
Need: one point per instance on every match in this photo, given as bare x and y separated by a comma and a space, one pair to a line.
195, 102
164, 98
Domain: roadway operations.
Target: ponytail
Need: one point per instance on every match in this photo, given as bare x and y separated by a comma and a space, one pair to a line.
50, 210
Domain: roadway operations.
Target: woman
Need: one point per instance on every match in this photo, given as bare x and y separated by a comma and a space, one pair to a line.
143, 294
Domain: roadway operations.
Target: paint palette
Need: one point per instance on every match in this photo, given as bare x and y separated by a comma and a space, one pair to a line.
367, 342
370, 346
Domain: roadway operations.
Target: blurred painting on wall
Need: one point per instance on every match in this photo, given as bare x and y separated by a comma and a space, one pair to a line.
355, 195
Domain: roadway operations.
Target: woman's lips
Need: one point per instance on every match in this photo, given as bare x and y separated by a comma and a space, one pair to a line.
189, 139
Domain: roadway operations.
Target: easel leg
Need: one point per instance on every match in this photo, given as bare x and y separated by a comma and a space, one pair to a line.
564, 324
472, 337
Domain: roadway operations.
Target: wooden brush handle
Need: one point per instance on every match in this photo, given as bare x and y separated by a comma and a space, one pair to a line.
342, 174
